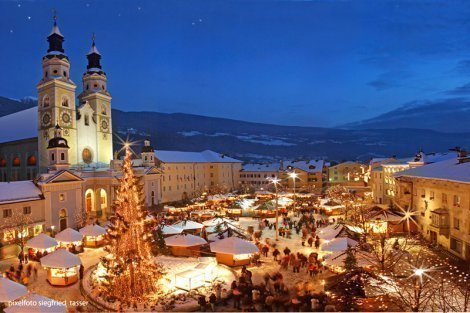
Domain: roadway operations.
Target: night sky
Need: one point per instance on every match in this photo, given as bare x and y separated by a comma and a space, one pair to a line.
313, 63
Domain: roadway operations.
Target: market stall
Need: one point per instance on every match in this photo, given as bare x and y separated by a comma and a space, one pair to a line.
93, 235
10, 291
185, 244
168, 230
71, 239
62, 267
233, 251
189, 279
189, 227
338, 244
40, 245
209, 269
219, 220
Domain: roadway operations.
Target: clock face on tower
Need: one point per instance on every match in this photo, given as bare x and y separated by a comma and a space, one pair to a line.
46, 119
66, 118
104, 124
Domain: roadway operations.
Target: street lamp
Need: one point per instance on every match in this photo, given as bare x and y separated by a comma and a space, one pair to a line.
294, 176
276, 181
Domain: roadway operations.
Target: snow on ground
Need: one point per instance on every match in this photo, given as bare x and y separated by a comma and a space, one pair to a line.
71, 293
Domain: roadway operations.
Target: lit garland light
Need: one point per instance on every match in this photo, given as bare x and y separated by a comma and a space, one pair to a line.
129, 273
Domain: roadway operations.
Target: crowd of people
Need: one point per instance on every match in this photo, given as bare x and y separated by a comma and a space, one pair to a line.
22, 274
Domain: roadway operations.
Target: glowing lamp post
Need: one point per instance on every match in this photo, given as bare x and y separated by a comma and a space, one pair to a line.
275, 181
294, 176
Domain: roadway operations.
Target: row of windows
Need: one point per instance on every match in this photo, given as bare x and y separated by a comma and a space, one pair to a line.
16, 161
456, 198
256, 175
9, 213
46, 102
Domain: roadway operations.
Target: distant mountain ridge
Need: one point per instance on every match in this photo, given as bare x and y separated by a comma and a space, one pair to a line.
448, 115
256, 142
9, 106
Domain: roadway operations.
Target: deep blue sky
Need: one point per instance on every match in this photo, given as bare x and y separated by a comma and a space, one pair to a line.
315, 63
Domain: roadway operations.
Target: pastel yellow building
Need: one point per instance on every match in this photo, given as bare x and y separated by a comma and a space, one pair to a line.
439, 196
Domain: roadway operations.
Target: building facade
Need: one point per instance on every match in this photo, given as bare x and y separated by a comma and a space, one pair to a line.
439, 196
347, 174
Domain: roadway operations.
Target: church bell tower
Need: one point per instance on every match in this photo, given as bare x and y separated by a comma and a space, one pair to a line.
56, 99
96, 95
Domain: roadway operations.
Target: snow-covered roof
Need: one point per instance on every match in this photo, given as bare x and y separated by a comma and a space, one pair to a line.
93, 49
234, 245
10, 291
450, 170
17, 191
170, 230
28, 119
188, 225
41, 241
219, 220
193, 157
93, 230
60, 258
55, 30
311, 166
329, 232
257, 167
69, 235
186, 240
37, 304
338, 244
336, 259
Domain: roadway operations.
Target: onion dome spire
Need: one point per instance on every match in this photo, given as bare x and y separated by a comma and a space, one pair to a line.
93, 57
55, 38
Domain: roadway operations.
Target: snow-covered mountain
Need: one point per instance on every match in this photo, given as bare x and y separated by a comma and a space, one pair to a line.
8, 106
449, 115
262, 142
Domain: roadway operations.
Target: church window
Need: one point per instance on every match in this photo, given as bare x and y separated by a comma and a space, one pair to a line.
87, 87
62, 197
62, 156
55, 71
65, 101
87, 120
95, 85
103, 110
45, 74
16, 161
3, 162
46, 101
32, 160
102, 87
65, 73
52, 156
87, 156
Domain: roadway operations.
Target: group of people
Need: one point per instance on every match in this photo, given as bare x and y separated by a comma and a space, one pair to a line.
22, 274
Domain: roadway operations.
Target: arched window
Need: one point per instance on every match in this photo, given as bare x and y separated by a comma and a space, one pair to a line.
65, 101
103, 110
63, 219
3, 162
311, 167
65, 73
32, 160
16, 161
87, 120
46, 101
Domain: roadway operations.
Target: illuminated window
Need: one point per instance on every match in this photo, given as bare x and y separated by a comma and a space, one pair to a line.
16, 161
32, 160
3, 162
65, 101
46, 101
62, 197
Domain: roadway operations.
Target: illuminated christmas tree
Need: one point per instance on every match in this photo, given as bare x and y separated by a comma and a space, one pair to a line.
131, 272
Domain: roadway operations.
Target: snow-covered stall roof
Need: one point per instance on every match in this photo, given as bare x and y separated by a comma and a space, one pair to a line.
234, 245
18, 191
28, 119
37, 304
10, 291
171, 230
60, 258
184, 241
188, 225
93, 230
451, 170
69, 235
338, 244
41, 241
219, 220
336, 259
193, 157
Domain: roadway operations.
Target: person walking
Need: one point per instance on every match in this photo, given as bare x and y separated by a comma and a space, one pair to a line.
213, 301
202, 303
